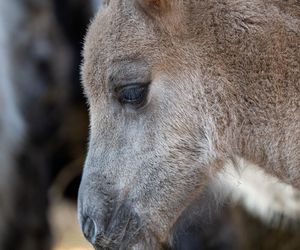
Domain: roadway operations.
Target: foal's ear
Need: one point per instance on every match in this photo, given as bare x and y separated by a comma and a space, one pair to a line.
154, 5
169, 13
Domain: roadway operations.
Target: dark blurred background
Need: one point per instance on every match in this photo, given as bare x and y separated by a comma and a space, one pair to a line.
44, 134
41, 44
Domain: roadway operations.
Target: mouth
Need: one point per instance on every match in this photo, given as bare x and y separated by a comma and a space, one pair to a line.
142, 242
116, 228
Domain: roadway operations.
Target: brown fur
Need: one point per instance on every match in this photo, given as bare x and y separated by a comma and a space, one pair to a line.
224, 84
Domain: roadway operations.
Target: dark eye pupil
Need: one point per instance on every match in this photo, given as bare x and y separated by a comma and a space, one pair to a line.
135, 95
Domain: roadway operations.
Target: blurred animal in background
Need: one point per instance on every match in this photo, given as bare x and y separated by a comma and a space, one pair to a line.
188, 99
38, 137
11, 129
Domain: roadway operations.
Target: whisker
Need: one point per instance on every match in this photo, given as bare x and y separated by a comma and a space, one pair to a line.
137, 231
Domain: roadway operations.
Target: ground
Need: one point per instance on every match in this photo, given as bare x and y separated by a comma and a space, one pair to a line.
66, 231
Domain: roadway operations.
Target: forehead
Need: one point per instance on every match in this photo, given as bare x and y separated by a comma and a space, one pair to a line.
120, 33
119, 28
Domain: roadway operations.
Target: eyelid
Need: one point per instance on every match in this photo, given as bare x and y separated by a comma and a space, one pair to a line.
130, 82
126, 73
131, 85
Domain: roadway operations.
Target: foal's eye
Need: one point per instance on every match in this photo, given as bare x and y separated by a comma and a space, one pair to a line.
135, 94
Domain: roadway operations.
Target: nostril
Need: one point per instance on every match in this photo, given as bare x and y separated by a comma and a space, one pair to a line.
89, 230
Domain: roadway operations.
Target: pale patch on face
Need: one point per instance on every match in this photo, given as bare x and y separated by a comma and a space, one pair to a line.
262, 194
